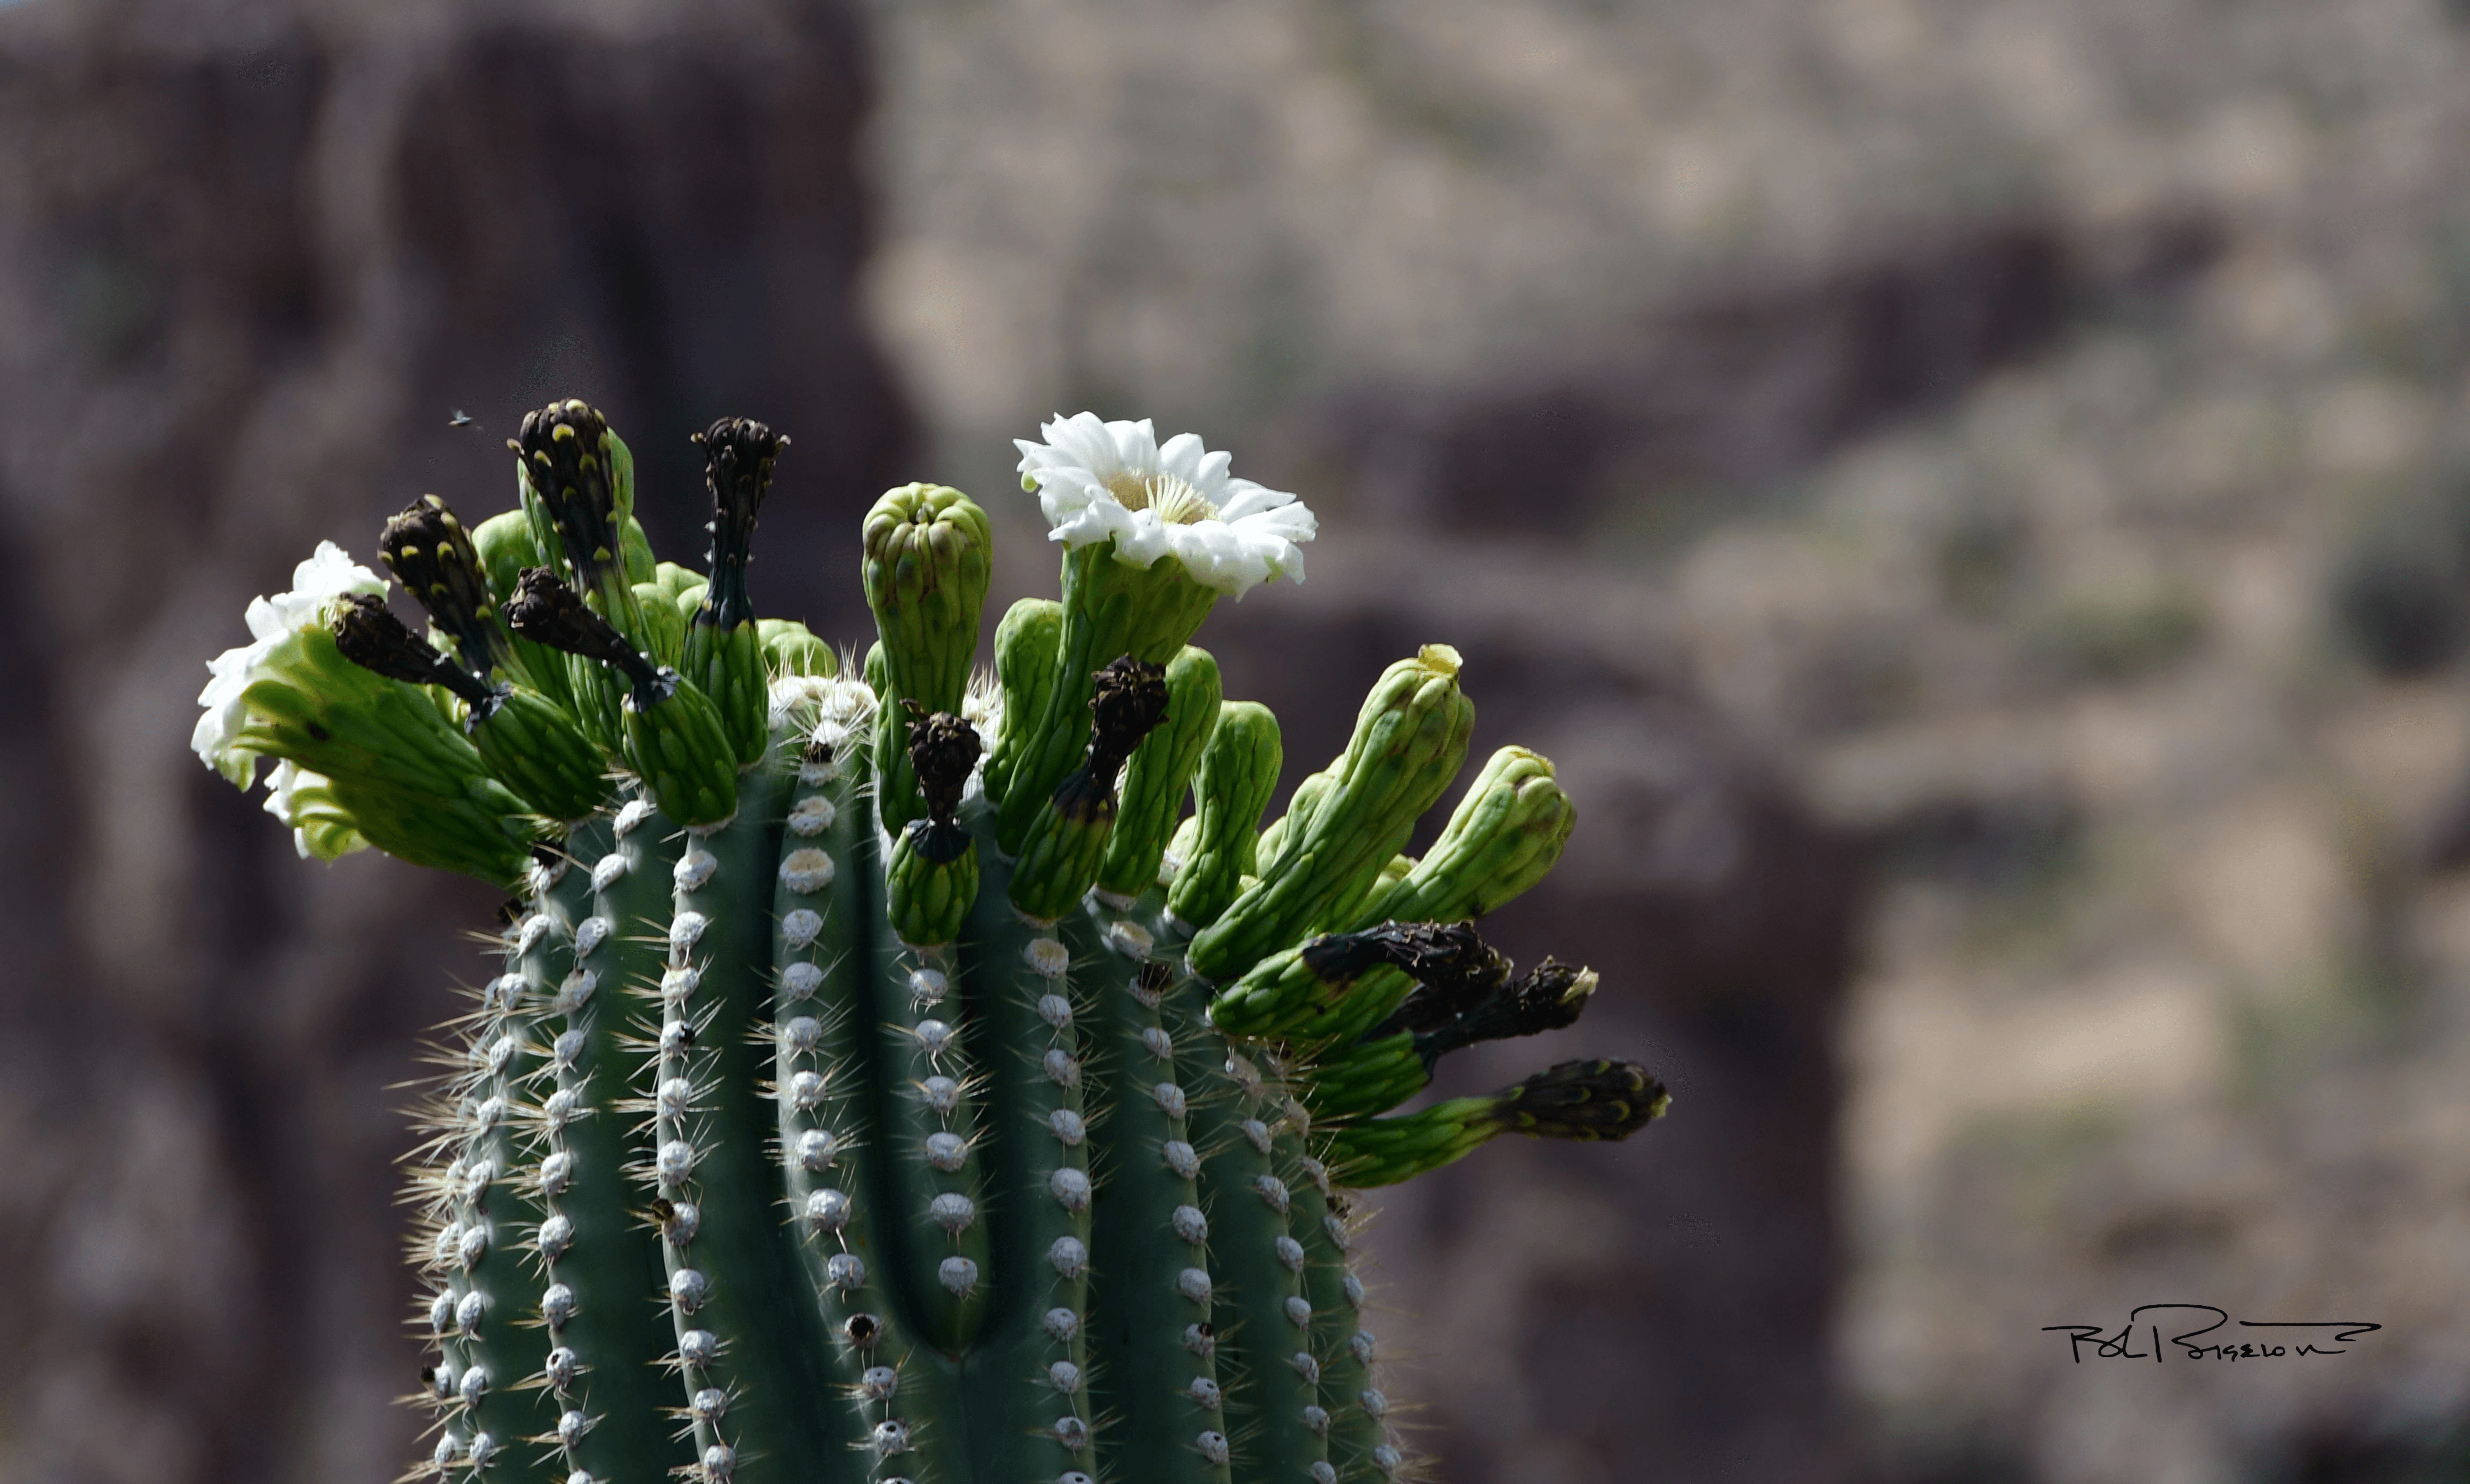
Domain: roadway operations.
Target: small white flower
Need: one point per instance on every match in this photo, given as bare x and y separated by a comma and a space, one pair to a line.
315, 584
1098, 479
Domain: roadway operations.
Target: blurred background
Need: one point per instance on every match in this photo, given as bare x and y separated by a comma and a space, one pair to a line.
1973, 494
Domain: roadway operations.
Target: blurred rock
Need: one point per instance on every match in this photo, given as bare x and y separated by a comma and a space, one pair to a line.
1595, 1315
252, 255
1736, 384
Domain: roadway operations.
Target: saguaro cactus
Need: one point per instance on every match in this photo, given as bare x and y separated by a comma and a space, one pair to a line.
880, 1085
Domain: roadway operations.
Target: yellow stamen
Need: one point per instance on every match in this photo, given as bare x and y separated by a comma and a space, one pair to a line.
1172, 497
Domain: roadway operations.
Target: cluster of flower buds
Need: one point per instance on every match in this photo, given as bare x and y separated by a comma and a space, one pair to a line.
897, 1078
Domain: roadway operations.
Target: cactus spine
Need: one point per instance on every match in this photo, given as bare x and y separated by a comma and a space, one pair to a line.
887, 1079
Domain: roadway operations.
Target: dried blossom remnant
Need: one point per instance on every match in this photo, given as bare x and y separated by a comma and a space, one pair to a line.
1130, 703
375, 639
739, 454
1433, 954
546, 611
942, 750
1583, 1100
432, 554
1547, 997
566, 451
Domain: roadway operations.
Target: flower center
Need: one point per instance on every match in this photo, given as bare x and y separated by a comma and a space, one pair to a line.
1171, 496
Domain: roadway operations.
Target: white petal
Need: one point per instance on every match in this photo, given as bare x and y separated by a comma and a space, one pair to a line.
1137, 448
1182, 456
1146, 541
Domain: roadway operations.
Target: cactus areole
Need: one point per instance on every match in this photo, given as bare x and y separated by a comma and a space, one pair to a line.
888, 1078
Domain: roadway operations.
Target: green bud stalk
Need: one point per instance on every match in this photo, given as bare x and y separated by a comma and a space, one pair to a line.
1028, 650
1217, 846
932, 880
671, 734
1578, 1100
1067, 841
1110, 608
1155, 778
1409, 741
723, 648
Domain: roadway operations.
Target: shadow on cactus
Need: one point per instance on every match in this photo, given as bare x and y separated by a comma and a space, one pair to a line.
887, 1079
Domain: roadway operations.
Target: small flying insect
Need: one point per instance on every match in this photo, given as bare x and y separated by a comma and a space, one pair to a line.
461, 419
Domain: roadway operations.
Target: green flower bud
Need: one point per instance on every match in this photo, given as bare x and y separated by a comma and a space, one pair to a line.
664, 629
636, 543
536, 750
875, 671
790, 648
676, 745
1160, 769
1409, 741
674, 580
927, 549
1507, 834
1069, 839
1026, 656
505, 544
671, 734
1239, 771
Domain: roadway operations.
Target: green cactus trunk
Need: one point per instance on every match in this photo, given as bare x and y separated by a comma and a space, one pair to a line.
1006, 1210
808, 1136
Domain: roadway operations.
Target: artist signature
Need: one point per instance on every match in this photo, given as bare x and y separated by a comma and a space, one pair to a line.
2211, 1340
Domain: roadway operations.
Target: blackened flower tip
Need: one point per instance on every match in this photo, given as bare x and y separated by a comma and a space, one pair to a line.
1596, 1100
547, 611
433, 555
372, 638
1128, 702
738, 455
565, 450
942, 750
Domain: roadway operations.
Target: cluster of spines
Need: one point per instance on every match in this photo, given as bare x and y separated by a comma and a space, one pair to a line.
825, 1144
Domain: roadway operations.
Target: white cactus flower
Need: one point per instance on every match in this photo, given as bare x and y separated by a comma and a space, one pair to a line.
1098, 479
315, 584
